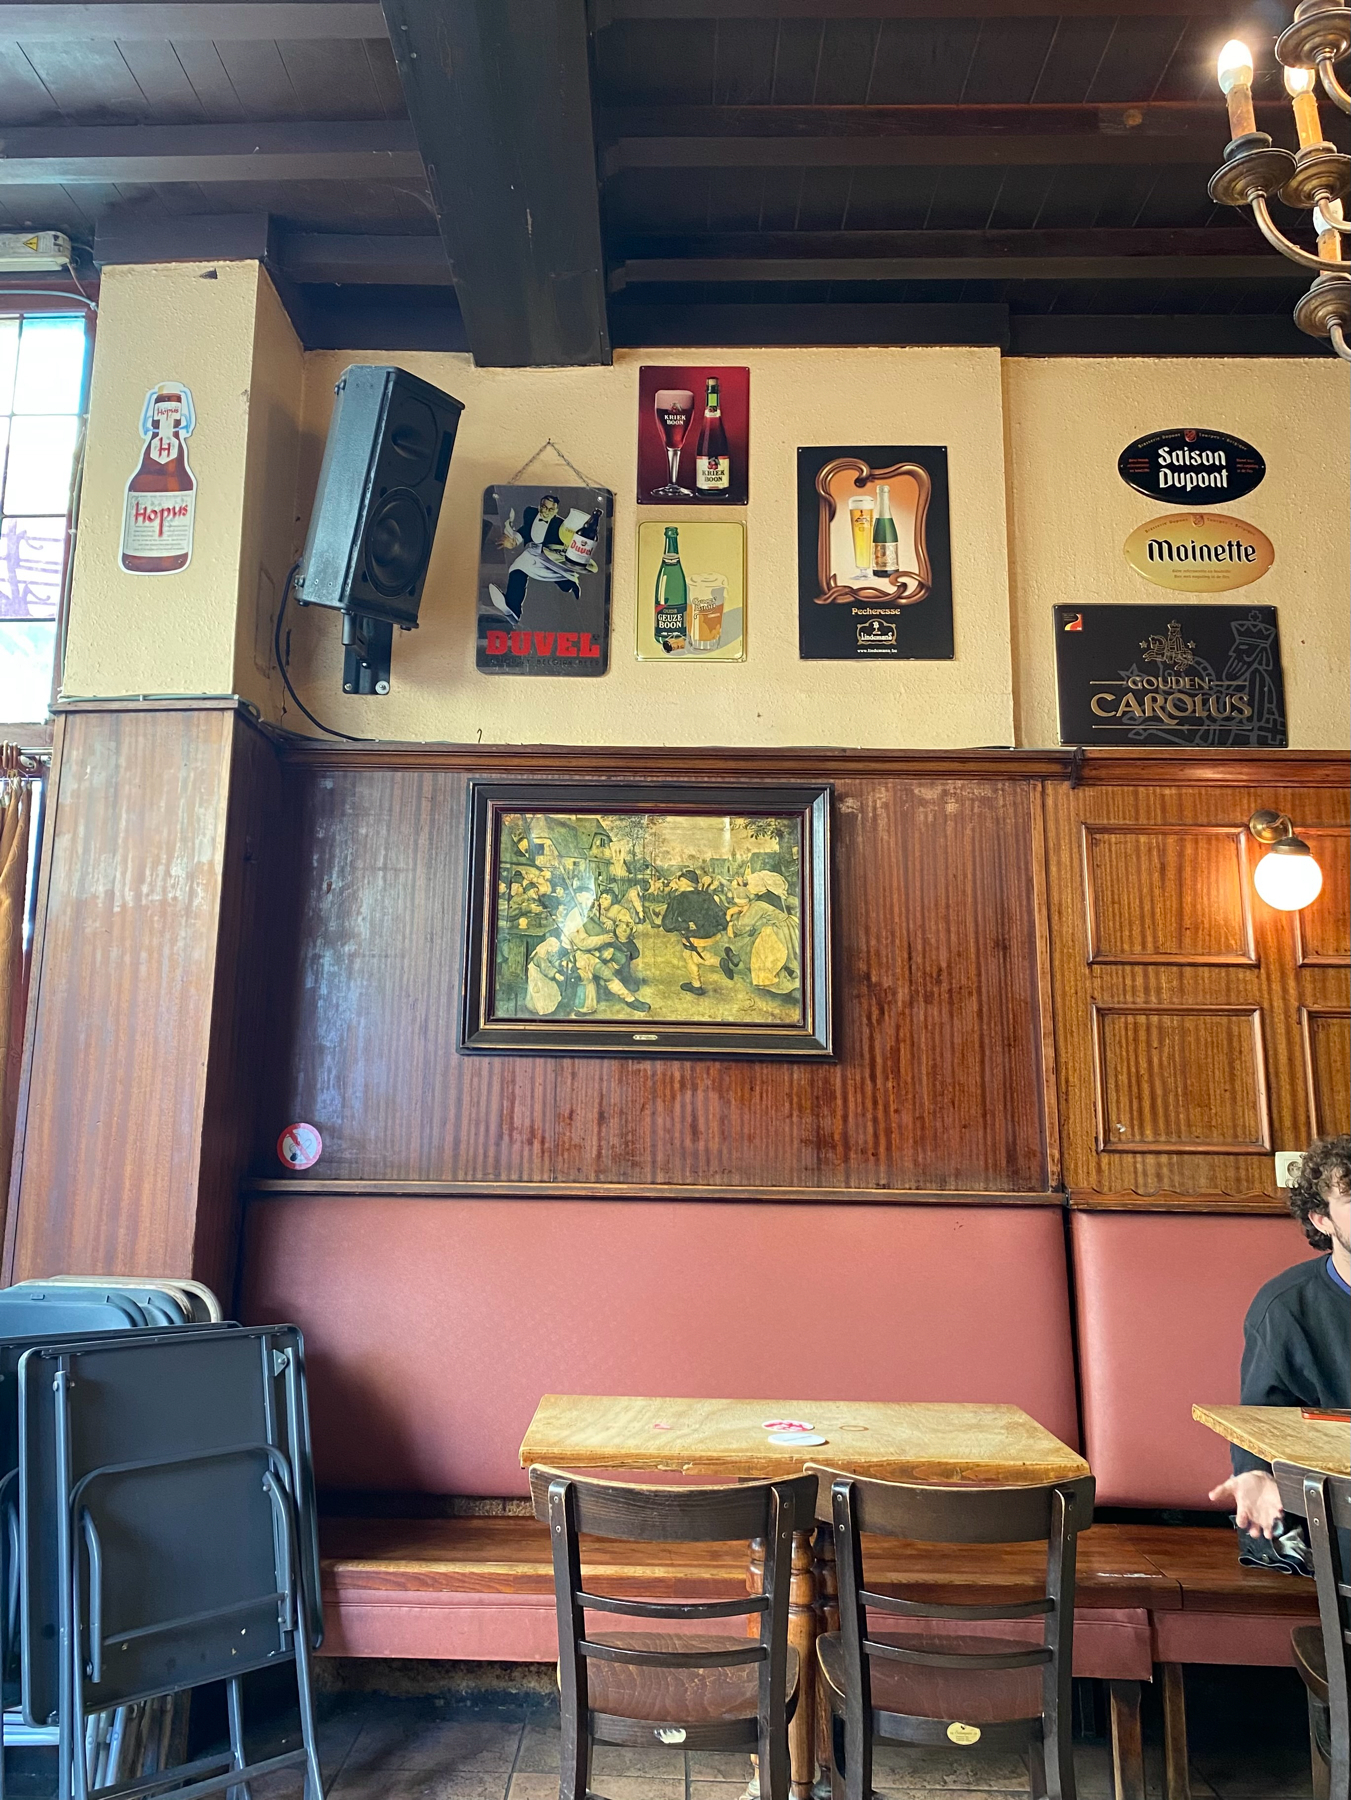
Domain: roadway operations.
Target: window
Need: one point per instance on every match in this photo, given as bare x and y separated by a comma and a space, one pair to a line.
43, 361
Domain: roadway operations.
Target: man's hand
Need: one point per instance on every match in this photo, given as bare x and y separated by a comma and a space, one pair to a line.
1255, 1499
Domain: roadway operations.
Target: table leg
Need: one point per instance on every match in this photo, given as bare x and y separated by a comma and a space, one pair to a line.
827, 1619
803, 1625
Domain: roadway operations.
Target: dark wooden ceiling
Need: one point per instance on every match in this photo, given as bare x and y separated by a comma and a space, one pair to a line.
1026, 172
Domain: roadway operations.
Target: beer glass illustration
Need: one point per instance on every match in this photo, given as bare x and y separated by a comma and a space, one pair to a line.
861, 507
707, 601
674, 408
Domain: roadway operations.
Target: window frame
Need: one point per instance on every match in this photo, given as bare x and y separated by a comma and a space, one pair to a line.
39, 302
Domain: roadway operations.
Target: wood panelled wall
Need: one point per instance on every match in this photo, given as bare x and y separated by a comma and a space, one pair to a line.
1039, 960
941, 1083
137, 1096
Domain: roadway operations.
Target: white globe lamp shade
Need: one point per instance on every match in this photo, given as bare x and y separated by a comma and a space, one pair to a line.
1288, 879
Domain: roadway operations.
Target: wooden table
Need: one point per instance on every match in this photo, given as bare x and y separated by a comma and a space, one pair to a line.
725, 1440
1279, 1434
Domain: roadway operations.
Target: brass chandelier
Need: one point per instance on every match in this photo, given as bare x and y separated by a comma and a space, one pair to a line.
1316, 179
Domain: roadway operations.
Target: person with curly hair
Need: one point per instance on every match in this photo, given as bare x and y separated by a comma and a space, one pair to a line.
1297, 1335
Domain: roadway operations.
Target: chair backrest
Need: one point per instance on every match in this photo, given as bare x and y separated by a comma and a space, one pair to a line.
573, 1505
1324, 1502
1056, 1513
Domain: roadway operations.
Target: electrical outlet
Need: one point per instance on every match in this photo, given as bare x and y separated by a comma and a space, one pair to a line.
1287, 1166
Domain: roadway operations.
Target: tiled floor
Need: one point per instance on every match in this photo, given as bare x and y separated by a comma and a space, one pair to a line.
374, 1748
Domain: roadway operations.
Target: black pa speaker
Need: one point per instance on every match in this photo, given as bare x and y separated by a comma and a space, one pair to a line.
375, 512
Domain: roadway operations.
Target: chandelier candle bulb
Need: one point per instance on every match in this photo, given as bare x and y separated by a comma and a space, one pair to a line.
1329, 238
1235, 76
1299, 84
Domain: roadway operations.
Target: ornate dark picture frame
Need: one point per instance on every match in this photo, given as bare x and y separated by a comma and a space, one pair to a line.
907, 586
581, 919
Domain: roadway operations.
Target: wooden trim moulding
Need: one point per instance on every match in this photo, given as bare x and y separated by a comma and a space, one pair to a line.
1084, 1200
303, 1188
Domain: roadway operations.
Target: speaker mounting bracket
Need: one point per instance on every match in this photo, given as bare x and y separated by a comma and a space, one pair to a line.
367, 647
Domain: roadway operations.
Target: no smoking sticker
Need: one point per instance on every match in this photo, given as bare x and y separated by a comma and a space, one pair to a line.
300, 1146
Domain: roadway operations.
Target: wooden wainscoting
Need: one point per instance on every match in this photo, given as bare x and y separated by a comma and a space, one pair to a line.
942, 1082
1197, 1029
136, 1104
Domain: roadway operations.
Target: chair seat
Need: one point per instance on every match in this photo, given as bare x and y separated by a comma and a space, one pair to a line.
976, 1696
1306, 1641
679, 1696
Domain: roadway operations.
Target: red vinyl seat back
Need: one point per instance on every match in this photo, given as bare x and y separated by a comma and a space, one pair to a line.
1160, 1302
433, 1327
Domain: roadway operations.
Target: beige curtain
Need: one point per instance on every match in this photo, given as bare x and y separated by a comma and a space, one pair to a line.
15, 803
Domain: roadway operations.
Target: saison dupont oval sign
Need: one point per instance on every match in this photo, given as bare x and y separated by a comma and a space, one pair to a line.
1188, 464
1199, 553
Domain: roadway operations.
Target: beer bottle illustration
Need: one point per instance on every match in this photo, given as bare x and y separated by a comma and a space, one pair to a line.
583, 543
712, 469
672, 594
161, 496
886, 548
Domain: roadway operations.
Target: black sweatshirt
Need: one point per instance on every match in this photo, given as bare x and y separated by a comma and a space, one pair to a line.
1297, 1345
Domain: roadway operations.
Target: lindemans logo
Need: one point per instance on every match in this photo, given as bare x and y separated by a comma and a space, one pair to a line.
1189, 464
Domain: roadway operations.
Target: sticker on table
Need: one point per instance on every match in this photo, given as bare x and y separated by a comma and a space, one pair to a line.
963, 1734
792, 1439
786, 1425
300, 1146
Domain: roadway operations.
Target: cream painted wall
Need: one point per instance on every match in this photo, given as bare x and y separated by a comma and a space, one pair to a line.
913, 396
151, 634
1065, 423
1039, 515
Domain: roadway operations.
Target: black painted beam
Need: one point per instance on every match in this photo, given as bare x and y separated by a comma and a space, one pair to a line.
215, 21
740, 137
363, 260
499, 92
302, 151
662, 271
608, 12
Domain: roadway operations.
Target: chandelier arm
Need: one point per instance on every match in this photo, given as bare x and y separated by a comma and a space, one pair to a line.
1338, 340
1278, 241
1335, 91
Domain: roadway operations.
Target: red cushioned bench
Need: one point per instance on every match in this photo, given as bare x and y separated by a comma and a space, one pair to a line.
1160, 1302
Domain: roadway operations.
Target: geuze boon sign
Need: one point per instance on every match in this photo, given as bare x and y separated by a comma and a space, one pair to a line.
1199, 553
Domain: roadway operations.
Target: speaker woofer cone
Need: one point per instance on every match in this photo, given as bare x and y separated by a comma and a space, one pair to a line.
397, 542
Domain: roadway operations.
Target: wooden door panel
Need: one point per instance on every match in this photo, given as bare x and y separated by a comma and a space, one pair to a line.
1167, 894
1323, 930
1180, 1079
1326, 1034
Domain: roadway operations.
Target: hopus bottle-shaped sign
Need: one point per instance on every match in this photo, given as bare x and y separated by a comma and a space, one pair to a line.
158, 519
672, 594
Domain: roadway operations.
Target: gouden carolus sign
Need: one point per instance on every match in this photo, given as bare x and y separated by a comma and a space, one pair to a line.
1200, 553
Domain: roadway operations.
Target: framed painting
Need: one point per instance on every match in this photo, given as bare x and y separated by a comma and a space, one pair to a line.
648, 919
544, 581
874, 564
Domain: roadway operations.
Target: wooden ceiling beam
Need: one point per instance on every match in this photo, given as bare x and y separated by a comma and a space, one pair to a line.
502, 112
1083, 241
666, 272
214, 21
358, 150
1144, 118
608, 12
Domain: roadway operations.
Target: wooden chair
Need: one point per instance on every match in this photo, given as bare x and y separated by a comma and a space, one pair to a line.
705, 1692
938, 1684
1324, 1502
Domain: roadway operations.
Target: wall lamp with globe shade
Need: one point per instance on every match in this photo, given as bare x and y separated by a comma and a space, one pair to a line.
1288, 876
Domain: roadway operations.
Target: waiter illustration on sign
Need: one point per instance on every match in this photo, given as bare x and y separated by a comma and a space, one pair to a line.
549, 553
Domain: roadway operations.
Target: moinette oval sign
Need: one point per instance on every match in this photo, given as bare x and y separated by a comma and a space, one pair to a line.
1191, 464
1199, 553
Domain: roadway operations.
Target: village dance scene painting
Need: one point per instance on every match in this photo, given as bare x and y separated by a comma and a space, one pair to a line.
638, 919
